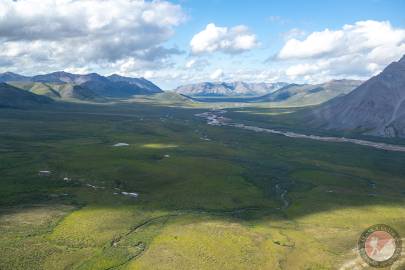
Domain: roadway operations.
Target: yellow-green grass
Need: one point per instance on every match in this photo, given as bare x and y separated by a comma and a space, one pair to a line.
159, 146
204, 243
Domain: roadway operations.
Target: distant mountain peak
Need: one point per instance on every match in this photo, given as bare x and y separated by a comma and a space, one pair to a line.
11, 76
402, 59
61, 72
9, 73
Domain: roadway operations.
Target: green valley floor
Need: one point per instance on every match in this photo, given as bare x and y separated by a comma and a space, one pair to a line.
183, 194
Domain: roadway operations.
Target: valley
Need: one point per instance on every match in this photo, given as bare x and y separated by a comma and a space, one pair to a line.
202, 135
239, 200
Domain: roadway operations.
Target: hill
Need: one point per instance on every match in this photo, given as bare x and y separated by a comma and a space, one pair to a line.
172, 98
309, 94
59, 90
71, 91
36, 88
13, 97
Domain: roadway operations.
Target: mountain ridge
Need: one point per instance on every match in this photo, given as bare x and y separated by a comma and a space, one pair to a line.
376, 107
296, 95
115, 86
237, 88
310, 94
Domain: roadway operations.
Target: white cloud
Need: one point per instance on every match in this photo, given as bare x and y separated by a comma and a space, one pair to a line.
316, 44
217, 75
302, 69
363, 36
191, 63
58, 34
372, 67
227, 40
356, 50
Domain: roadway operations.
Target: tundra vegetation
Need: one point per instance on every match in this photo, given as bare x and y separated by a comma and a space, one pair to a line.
207, 197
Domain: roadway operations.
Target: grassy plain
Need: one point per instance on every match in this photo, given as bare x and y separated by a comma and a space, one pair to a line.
209, 197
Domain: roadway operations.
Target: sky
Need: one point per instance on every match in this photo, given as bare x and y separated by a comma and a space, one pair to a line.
176, 42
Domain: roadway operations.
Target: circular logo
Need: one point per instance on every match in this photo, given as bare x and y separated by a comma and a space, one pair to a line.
380, 245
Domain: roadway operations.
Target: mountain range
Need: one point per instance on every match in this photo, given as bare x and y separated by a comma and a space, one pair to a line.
232, 89
291, 94
376, 107
83, 87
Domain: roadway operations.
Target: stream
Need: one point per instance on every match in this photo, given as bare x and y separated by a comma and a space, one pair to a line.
216, 118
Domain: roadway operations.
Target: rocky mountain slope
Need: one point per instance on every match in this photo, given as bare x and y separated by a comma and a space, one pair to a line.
376, 107
140, 82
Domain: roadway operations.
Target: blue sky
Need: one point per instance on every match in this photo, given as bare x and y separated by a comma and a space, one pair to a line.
271, 20
174, 42
308, 15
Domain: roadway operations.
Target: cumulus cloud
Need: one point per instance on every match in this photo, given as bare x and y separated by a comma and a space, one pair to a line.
361, 36
302, 69
315, 45
227, 40
356, 50
64, 33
